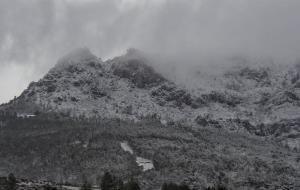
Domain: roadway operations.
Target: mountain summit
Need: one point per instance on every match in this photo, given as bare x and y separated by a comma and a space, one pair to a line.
77, 56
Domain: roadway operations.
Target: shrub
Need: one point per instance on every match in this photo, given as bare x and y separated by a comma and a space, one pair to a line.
219, 187
173, 186
131, 185
86, 186
48, 187
11, 182
110, 182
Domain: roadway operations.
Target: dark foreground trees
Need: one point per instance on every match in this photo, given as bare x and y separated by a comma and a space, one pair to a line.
174, 186
86, 186
131, 185
218, 187
108, 182
49, 187
111, 182
8, 183
11, 182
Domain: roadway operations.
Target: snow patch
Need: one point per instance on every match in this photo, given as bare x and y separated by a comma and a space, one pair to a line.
143, 162
126, 147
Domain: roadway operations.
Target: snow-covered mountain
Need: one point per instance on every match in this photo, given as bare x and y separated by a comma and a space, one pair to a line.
261, 98
238, 123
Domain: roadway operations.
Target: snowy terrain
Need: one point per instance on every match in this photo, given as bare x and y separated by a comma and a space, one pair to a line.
248, 96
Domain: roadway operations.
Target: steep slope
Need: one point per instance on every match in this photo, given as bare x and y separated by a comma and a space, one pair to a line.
243, 97
81, 84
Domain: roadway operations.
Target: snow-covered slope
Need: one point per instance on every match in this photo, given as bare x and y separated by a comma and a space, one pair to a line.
81, 84
243, 97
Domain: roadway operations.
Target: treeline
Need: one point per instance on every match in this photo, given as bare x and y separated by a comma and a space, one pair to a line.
108, 182
111, 182
14, 119
183, 186
37, 119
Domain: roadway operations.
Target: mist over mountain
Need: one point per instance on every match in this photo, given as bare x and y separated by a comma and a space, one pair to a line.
149, 94
34, 34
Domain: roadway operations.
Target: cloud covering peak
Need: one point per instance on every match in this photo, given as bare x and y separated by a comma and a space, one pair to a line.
35, 33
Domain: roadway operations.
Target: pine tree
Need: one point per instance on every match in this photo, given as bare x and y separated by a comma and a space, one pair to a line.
131, 185
219, 187
48, 187
107, 181
184, 186
86, 186
174, 186
110, 182
11, 182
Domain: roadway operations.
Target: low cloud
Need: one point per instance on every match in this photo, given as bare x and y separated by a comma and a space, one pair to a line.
35, 33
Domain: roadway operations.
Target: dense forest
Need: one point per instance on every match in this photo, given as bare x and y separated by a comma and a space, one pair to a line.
55, 147
108, 182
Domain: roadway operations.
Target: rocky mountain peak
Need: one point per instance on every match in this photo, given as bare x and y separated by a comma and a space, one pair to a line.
77, 56
135, 67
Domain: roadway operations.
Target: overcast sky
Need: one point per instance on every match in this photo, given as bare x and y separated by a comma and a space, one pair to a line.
35, 33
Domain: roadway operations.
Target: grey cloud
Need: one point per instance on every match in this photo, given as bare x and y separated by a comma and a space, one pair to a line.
37, 32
